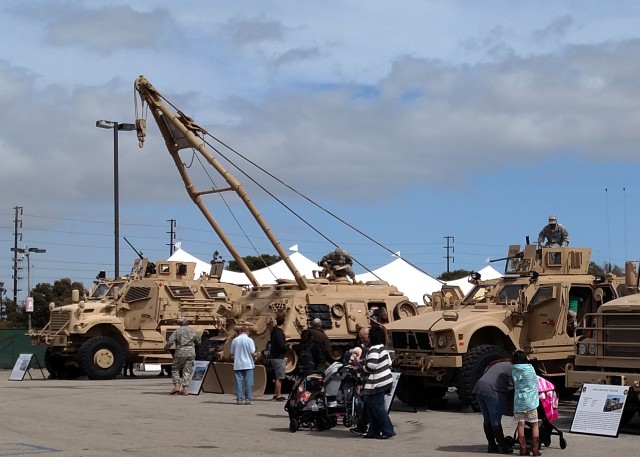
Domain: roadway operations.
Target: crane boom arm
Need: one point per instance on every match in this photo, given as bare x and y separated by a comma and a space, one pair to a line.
181, 132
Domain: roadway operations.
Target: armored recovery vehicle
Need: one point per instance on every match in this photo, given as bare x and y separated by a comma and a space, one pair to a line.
131, 318
342, 305
525, 309
608, 347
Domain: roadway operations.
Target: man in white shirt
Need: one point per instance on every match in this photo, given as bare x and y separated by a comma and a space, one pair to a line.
243, 350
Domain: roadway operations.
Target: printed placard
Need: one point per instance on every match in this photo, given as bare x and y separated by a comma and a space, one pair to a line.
389, 397
599, 409
200, 368
21, 367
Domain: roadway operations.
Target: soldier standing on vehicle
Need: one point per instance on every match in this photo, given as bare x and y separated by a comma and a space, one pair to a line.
337, 263
556, 235
185, 339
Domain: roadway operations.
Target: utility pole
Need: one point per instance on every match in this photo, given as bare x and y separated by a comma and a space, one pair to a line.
172, 235
17, 236
27, 251
2, 306
450, 250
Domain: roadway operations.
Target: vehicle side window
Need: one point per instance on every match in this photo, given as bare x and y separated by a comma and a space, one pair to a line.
543, 294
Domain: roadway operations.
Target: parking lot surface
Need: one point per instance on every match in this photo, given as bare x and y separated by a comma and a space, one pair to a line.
137, 416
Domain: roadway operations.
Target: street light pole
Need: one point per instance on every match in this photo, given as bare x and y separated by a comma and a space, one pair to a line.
116, 203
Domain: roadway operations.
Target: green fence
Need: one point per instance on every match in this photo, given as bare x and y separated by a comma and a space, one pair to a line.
15, 342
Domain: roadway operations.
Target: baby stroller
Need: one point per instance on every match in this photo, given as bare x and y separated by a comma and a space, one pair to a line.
547, 413
319, 399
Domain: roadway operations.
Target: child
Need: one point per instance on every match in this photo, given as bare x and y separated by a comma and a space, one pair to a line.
526, 400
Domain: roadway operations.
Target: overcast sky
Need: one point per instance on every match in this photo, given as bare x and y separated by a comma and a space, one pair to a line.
413, 120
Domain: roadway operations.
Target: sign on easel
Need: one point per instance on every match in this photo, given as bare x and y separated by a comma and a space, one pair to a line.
389, 397
599, 410
200, 368
22, 366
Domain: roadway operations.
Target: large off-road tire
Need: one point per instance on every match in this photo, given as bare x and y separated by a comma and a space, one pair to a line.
208, 350
474, 363
627, 415
415, 391
59, 367
101, 357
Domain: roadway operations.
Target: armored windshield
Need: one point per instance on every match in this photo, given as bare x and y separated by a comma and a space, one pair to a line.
106, 289
476, 294
509, 293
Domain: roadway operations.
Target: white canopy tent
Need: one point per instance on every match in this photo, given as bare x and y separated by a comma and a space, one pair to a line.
487, 272
408, 279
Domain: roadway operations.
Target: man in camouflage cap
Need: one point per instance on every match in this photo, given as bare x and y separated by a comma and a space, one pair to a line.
556, 235
185, 339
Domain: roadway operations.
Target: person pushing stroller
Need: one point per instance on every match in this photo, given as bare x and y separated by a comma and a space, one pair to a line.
491, 393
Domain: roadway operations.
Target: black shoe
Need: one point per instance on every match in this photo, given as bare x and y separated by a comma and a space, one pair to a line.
357, 432
369, 436
386, 436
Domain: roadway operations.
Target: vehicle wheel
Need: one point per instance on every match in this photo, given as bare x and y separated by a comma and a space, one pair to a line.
411, 391
404, 309
60, 367
321, 424
509, 441
207, 350
474, 363
563, 443
546, 442
294, 425
347, 420
101, 357
627, 415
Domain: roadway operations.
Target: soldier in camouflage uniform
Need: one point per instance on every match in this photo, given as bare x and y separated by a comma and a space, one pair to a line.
185, 339
337, 263
556, 235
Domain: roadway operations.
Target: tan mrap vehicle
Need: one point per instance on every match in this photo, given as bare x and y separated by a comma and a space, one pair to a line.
526, 309
130, 319
608, 347
342, 305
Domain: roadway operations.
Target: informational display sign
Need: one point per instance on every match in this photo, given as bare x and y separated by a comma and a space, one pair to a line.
21, 367
28, 304
389, 397
599, 410
200, 368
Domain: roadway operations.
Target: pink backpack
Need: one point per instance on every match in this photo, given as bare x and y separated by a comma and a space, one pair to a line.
548, 398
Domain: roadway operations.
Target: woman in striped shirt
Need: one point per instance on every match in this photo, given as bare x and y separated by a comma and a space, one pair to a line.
377, 366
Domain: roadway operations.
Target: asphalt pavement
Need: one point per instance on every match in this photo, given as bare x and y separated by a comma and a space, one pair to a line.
137, 416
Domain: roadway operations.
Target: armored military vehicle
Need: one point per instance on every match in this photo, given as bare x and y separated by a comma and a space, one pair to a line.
608, 346
525, 309
342, 305
130, 319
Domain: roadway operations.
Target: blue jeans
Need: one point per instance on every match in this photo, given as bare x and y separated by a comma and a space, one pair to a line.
378, 415
491, 409
247, 375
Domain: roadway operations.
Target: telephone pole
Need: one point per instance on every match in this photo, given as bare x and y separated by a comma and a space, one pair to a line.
450, 250
17, 236
172, 235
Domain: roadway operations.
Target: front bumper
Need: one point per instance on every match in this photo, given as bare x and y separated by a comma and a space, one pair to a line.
427, 365
576, 379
